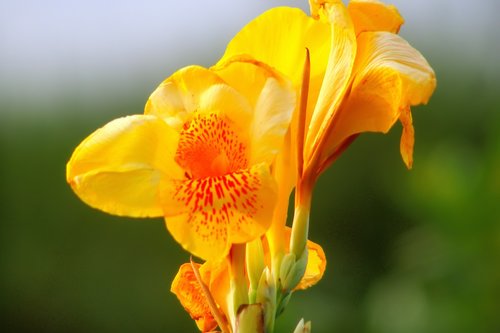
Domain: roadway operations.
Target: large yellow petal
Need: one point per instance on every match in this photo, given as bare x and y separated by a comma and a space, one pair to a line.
390, 75
336, 79
207, 215
178, 97
279, 38
374, 15
118, 168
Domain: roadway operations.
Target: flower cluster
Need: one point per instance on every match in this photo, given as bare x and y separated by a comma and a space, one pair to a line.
218, 151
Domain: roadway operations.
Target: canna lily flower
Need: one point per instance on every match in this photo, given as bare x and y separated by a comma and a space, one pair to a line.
199, 156
363, 76
359, 76
215, 277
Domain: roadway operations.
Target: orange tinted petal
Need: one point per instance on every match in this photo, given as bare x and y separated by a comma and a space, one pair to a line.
207, 215
316, 265
336, 79
178, 97
390, 75
211, 146
407, 138
373, 15
189, 292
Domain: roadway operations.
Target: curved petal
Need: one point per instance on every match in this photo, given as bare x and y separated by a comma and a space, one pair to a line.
218, 284
316, 265
273, 99
190, 295
390, 75
118, 168
316, 260
178, 97
382, 53
228, 101
407, 138
374, 15
279, 38
207, 215
284, 171
273, 114
336, 80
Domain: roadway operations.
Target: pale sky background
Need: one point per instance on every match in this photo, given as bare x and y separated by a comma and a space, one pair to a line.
103, 50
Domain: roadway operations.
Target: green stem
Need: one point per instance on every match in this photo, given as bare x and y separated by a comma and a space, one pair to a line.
300, 226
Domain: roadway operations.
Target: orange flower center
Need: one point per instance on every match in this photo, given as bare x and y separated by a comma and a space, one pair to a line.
209, 147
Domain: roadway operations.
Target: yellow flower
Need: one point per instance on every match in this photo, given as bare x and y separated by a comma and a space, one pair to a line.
200, 156
363, 77
354, 74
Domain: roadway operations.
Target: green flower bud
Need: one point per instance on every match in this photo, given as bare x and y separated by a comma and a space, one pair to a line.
266, 296
250, 319
255, 266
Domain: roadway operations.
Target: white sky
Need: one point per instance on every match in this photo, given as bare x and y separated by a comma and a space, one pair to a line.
56, 47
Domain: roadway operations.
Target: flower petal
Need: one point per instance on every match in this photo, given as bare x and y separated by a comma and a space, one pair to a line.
374, 15
207, 215
273, 99
218, 283
336, 80
316, 265
382, 53
284, 171
273, 114
316, 260
407, 138
227, 101
189, 292
390, 75
279, 38
118, 168
178, 97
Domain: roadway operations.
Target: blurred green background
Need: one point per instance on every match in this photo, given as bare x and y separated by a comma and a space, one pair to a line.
408, 251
